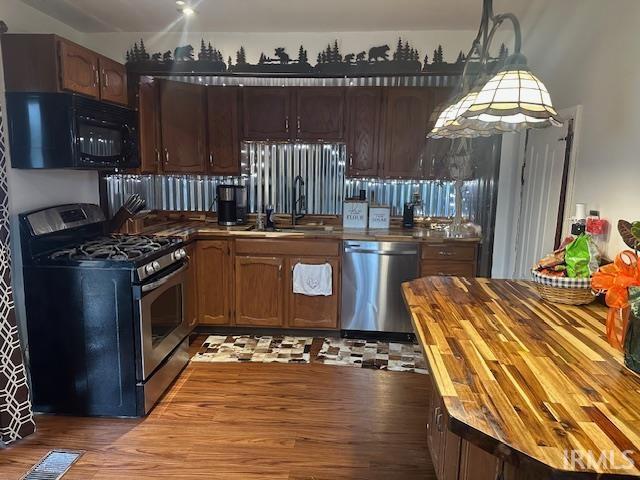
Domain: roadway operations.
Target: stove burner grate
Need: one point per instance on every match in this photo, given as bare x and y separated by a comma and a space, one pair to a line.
115, 247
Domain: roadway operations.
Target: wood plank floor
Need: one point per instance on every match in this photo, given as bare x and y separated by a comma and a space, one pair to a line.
250, 421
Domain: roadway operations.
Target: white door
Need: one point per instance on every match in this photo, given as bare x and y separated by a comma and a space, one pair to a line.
542, 175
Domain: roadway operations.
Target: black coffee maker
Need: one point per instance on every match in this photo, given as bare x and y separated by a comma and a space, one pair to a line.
232, 205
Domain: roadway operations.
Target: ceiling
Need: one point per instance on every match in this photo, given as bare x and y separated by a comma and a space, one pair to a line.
93, 16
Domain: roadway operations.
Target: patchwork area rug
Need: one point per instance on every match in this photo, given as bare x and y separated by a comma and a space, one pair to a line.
393, 356
250, 348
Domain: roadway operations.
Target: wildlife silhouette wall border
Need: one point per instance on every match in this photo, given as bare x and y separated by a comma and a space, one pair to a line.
377, 60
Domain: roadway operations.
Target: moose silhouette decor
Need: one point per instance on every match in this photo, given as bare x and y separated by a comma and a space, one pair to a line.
377, 60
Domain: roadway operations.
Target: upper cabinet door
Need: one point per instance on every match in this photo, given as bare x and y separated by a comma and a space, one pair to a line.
223, 139
406, 122
364, 107
79, 69
113, 81
149, 124
319, 113
183, 125
266, 113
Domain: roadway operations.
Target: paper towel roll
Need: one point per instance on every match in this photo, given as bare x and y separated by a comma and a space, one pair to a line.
581, 211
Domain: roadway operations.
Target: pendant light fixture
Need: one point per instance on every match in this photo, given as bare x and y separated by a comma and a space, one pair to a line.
510, 100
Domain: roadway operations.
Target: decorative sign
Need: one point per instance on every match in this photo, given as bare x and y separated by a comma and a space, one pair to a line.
377, 60
379, 217
354, 214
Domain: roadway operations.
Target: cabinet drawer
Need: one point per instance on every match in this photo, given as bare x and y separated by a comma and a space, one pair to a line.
448, 251
289, 247
452, 269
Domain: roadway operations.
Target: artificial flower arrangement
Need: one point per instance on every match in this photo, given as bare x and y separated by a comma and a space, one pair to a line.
620, 282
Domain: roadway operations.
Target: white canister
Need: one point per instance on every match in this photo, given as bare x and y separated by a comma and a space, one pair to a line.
354, 214
379, 216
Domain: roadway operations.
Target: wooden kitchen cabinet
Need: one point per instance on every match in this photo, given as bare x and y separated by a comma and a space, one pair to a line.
113, 81
449, 259
49, 63
183, 127
79, 69
259, 291
475, 463
191, 287
318, 312
266, 113
364, 105
319, 113
214, 280
223, 139
149, 124
406, 118
264, 284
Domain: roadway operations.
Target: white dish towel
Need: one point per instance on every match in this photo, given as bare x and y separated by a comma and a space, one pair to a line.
312, 280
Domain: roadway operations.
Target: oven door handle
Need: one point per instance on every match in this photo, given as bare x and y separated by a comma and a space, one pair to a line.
158, 283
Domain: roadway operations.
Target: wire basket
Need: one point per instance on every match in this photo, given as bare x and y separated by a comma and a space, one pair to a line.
568, 291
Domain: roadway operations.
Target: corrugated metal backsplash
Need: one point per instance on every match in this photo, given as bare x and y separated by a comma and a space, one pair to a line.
370, 81
268, 172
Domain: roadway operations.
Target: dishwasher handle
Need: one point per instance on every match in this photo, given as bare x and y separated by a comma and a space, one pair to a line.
380, 252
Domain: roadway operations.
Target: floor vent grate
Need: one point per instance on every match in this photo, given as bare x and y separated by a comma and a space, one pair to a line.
53, 465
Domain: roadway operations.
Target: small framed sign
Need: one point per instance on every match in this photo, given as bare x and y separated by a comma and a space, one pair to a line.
379, 216
354, 214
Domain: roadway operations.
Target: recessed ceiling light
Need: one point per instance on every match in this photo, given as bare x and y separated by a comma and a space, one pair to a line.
179, 2
188, 11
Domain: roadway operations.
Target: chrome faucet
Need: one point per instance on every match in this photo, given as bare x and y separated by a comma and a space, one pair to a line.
297, 201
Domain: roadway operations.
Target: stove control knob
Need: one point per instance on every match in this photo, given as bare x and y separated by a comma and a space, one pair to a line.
149, 268
156, 266
182, 252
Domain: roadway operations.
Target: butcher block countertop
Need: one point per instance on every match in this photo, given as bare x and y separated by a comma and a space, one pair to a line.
191, 230
525, 379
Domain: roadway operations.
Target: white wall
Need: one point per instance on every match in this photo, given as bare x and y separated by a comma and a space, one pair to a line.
585, 51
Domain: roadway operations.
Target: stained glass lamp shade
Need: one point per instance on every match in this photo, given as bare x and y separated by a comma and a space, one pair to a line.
512, 100
452, 127
444, 118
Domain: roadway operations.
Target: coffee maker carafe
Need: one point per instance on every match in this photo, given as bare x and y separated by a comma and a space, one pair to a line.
232, 205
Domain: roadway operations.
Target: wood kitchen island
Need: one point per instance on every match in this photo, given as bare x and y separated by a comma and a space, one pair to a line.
520, 386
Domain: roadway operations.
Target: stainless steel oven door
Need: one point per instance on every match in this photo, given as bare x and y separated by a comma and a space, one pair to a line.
163, 324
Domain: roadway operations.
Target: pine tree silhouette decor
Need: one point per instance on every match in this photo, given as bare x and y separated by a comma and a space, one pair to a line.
302, 55
241, 57
378, 60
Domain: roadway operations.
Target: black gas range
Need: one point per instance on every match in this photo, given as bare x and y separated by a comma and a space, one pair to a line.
105, 313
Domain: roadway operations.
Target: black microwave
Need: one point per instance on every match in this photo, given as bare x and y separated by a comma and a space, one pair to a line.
63, 130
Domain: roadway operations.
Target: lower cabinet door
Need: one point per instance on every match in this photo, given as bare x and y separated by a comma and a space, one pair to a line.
476, 464
214, 282
191, 288
313, 312
259, 293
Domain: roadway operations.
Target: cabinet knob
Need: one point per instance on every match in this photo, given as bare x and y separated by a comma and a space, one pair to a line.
211, 159
166, 156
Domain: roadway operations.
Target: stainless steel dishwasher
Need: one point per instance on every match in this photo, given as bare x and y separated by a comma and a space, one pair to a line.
372, 274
